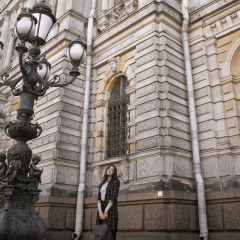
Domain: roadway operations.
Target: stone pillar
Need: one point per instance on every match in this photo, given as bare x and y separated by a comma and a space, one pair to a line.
110, 3
142, 3
61, 8
31, 3
105, 4
9, 48
4, 34
82, 7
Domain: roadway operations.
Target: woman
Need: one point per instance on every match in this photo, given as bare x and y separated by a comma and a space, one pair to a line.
107, 199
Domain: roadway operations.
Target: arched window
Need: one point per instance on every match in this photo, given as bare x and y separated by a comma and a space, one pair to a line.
118, 118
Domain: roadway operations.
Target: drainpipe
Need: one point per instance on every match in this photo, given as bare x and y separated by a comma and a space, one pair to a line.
193, 124
81, 189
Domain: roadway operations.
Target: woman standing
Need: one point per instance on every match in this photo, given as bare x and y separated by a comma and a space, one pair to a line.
107, 199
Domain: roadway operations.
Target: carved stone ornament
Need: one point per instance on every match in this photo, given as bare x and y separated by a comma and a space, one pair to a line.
114, 64
123, 172
114, 16
103, 26
97, 176
117, 14
131, 6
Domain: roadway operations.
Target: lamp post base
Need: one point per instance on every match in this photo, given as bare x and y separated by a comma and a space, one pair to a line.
18, 217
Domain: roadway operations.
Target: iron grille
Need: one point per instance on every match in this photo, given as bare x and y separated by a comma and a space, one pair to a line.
118, 118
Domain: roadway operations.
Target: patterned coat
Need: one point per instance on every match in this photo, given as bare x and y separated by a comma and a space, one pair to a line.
111, 195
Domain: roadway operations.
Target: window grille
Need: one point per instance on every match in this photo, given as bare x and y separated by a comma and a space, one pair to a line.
118, 118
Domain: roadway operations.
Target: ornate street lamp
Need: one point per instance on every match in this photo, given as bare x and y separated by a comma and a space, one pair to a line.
19, 178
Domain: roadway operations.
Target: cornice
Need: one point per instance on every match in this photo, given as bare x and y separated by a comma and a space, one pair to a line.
208, 9
138, 16
229, 22
73, 13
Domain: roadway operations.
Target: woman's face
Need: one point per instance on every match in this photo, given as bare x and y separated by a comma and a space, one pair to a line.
110, 171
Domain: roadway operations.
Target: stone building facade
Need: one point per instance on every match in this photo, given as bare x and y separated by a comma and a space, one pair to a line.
138, 42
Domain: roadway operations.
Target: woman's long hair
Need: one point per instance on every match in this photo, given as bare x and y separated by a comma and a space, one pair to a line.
114, 176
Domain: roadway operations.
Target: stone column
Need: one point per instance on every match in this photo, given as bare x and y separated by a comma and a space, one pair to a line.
61, 8
142, 3
9, 48
110, 3
105, 4
31, 3
4, 34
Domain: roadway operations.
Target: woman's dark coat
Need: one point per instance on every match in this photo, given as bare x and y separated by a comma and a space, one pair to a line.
111, 195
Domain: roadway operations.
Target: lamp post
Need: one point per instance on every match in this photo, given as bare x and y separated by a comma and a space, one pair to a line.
20, 178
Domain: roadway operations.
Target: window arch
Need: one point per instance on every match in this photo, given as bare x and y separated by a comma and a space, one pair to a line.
236, 70
118, 118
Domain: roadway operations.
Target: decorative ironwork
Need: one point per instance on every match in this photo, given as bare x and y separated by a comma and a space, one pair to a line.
19, 177
118, 118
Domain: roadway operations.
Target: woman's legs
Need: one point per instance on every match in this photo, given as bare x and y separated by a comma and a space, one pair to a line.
104, 205
114, 234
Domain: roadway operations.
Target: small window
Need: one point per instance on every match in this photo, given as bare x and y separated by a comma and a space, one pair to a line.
118, 118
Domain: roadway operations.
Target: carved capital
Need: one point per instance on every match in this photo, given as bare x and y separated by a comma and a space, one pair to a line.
97, 176
116, 14
123, 172
103, 26
131, 6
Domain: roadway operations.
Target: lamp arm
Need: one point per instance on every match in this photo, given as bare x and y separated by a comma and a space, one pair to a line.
15, 82
12, 83
74, 75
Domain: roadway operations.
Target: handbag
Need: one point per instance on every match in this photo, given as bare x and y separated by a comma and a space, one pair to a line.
103, 232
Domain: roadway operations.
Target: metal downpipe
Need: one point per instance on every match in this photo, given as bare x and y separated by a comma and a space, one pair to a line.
82, 178
193, 124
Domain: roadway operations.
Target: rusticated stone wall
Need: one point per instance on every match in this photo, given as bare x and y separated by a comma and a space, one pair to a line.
59, 113
152, 61
165, 214
173, 215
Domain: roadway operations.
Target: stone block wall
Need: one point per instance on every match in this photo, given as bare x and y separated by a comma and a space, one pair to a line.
152, 60
59, 113
173, 215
